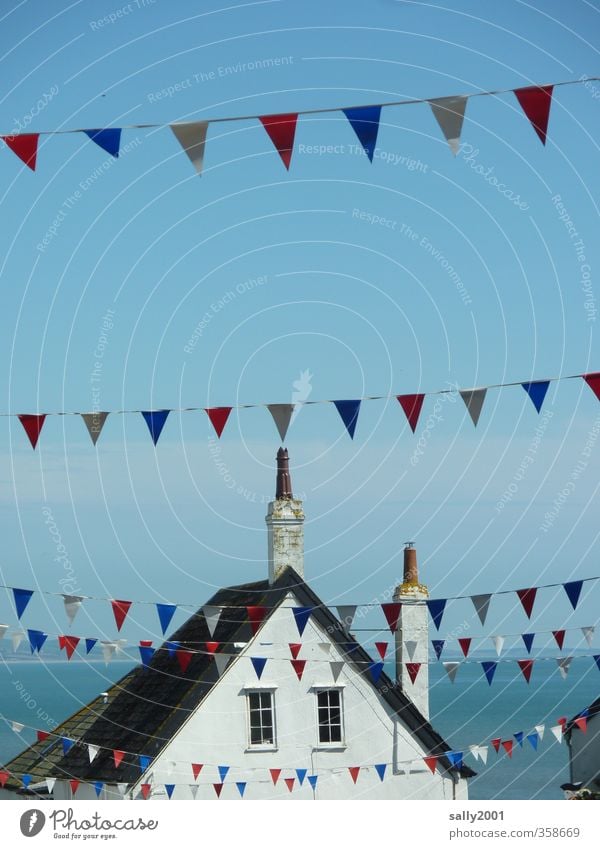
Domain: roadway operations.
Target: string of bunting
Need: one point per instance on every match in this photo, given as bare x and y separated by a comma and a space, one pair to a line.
449, 113
282, 413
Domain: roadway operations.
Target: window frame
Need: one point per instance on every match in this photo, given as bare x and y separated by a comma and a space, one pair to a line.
260, 691
334, 744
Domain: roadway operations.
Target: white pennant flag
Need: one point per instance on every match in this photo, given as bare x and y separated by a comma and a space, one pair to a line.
211, 614
410, 646
192, 137
540, 730
451, 668
3, 630
17, 638
498, 644
17, 727
108, 650
72, 605
222, 661
325, 647
474, 399
50, 782
120, 645
449, 112
346, 612
558, 732
336, 668
483, 753
563, 665
474, 751
282, 415
194, 789
482, 605
588, 633
122, 788
92, 751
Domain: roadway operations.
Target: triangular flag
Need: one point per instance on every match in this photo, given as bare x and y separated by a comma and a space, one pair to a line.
256, 615
22, 598
50, 782
89, 644
489, 667
375, 669
346, 614
295, 649
354, 771
184, 658
275, 773
74, 785
301, 775
312, 780
301, 615
259, 664
165, 614
465, 645
169, 788
535, 102
298, 667
540, 730
218, 418
17, 638
108, 140
507, 745
518, 735
70, 644
348, 411
436, 609
581, 722
241, 786
281, 129
222, 662
526, 667
4, 776
118, 756
336, 667
438, 647
558, 732
144, 761
483, 753
325, 647
120, 611
108, 650
67, 745
155, 419
72, 605
223, 770
496, 744
282, 414
559, 636
172, 646
537, 392
212, 647
391, 611
32, 425
92, 751
573, 591
451, 668
365, 123
196, 768
456, 759
498, 644
528, 640
146, 789
413, 671
449, 112
588, 633
192, 137
212, 615
381, 649
36, 639
474, 399
42, 735
25, 146
410, 646
27, 779
122, 788
481, 604
533, 739
431, 762
411, 404
593, 381
527, 598
146, 653
563, 665
289, 783
380, 770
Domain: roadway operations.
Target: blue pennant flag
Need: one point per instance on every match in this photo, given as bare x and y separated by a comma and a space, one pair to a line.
348, 411
21, 600
98, 785
146, 653
26, 780
67, 744
108, 140
518, 735
573, 591
144, 762
165, 614
537, 392
533, 739
351, 647
381, 768
241, 786
436, 607
36, 639
312, 780
259, 664
172, 647
597, 659
528, 640
301, 774
455, 758
376, 669
489, 667
223, 770
169, 788
156, 421
438, 647
365, 123
301, 615
89, 644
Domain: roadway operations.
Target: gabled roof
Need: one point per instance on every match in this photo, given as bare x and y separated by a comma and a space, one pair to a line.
592, 710
147, 707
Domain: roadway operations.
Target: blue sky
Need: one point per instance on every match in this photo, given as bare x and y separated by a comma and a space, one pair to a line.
297, 279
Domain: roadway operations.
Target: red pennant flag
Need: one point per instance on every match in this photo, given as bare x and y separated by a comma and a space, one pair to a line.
413, 671
118, 756
183, 658
281, 130
465, 644
120, 611
507, 745
535, 102
256, 614
526, 667
218, 788
391, 612
42, 735
212, 647
562, 721
581, 722
559, 636
70, 644
381, 648
354, 770
295, 649
218, 418
33, 426
411, 404
496, 744
4, 776
146, 788
196, 770
275, 773
527, 598
593, 381
298, 667
74, 785
25, 146
61, 642
289, 783
431, 763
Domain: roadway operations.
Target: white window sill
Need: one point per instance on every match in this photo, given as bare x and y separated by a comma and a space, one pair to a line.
330, 747
261, 749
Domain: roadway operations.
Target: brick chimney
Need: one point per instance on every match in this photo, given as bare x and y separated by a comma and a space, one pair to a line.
412, 635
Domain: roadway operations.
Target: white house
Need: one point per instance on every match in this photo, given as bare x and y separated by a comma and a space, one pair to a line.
582, 734
238, 701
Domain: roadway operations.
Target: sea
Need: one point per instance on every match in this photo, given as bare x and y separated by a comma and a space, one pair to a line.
467, 712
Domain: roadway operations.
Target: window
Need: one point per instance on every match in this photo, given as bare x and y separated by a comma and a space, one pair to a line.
329, 710
261, 718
